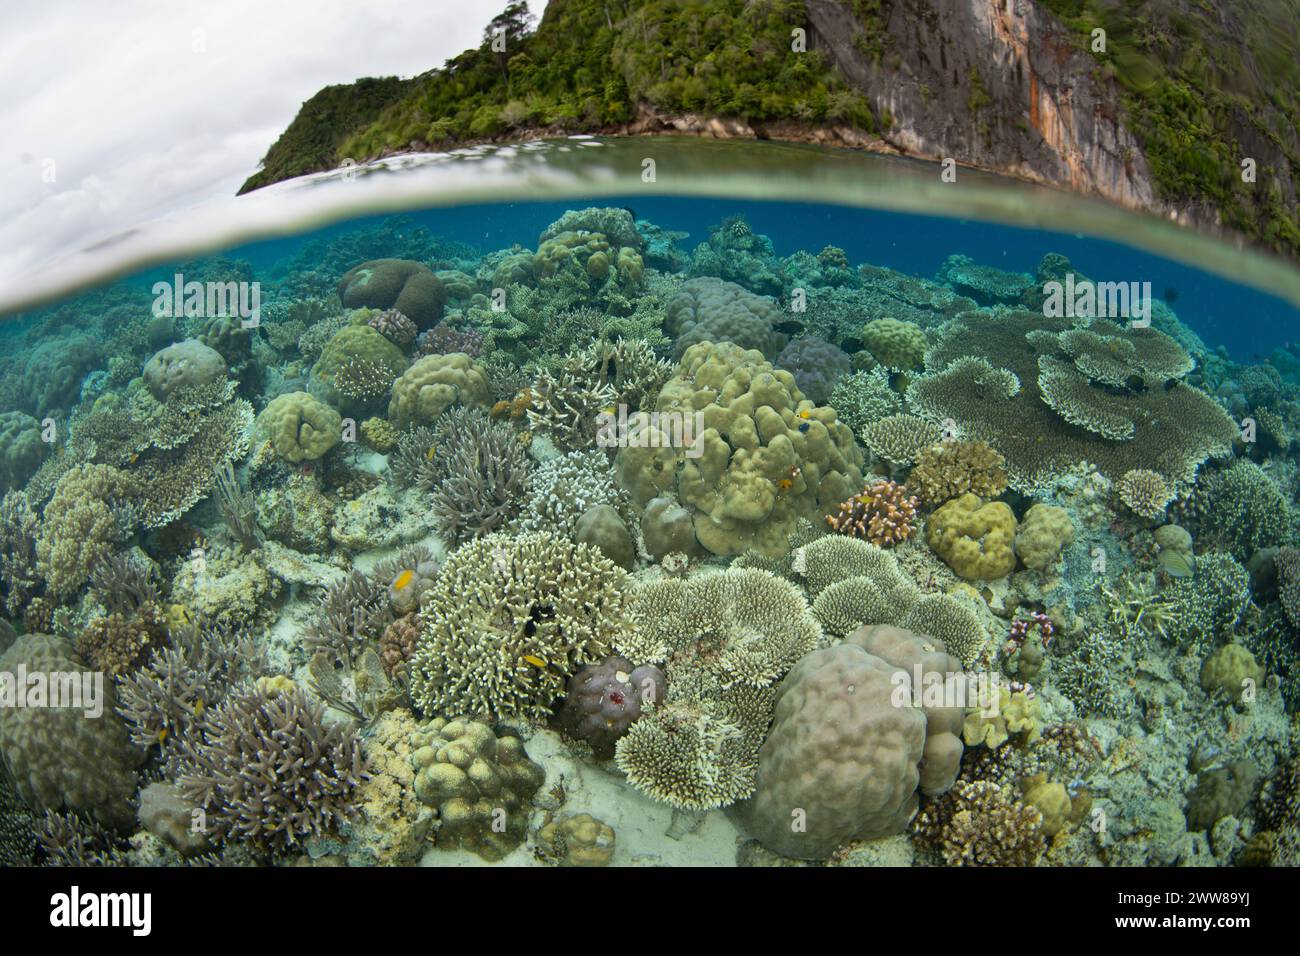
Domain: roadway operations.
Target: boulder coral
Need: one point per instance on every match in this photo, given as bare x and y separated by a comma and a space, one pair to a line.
894, 343
1043, 533
62, 757
409, 287
299, 427
432, 385
712, 310
188, 364
766, 456
974, 538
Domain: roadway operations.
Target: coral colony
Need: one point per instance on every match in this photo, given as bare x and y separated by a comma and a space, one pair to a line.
405, 549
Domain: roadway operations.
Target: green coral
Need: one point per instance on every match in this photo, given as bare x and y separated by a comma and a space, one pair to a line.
356, 368
766, 456
432, 385
974, 538
894, 343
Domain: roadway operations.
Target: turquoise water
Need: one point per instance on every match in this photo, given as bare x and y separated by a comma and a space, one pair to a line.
654, 529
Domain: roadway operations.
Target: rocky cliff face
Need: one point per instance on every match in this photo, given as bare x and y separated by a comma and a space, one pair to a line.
996, 84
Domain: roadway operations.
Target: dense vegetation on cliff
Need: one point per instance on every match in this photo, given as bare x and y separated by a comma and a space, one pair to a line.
1204, 88
588, 66
1207, 85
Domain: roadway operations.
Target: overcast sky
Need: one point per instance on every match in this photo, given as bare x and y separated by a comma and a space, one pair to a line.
116, 113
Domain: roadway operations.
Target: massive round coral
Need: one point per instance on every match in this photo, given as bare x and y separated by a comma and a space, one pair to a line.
741, 447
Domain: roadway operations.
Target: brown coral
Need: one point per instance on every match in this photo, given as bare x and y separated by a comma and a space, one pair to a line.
884, 513
952, 468
1145, 492
977, 824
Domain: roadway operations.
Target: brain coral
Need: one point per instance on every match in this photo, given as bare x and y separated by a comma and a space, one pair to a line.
408, 287
823, 781
975, 539
187, 364
59, 757
299, 427
712, 310
895, 344
481, 785
509, 620
1047, 416
766, 458
434, 383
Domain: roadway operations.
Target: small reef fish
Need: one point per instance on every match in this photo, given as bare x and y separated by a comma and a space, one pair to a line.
403, 580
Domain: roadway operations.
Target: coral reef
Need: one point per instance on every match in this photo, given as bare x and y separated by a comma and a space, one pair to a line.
408, 287
479, 784
509, 620
433, 384
713, 310
766, 456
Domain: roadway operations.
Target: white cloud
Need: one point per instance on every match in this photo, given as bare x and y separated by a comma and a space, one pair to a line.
140, 108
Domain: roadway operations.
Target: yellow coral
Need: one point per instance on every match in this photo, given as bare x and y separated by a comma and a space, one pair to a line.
974, 538
1045, 531
300, 427
899, 345
434, 383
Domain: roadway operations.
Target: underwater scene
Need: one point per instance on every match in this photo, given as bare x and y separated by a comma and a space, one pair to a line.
652, 531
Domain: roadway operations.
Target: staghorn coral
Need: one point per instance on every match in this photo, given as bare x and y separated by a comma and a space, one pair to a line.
563, 489
899, 439
509, 620
268, 770
485, 475
568, 409
1208, 606
163, 700
883, 513
949, 469
766, 456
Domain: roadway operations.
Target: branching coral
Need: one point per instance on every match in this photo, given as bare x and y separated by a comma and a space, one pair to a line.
19, 577
1145, 492
977, 824
563, 489
509, 620
863, 397
268, 770
950, 469
883, 513
899, 439
486, 472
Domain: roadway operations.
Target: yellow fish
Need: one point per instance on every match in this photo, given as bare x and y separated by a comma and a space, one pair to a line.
162, 735
403, 579
535, 661
430, 454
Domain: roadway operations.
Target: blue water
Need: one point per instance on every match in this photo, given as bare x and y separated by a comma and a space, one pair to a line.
1247, 322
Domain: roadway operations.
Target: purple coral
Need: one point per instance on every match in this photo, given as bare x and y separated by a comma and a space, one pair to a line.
605, 698
816, 365
442, 339
269, 771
